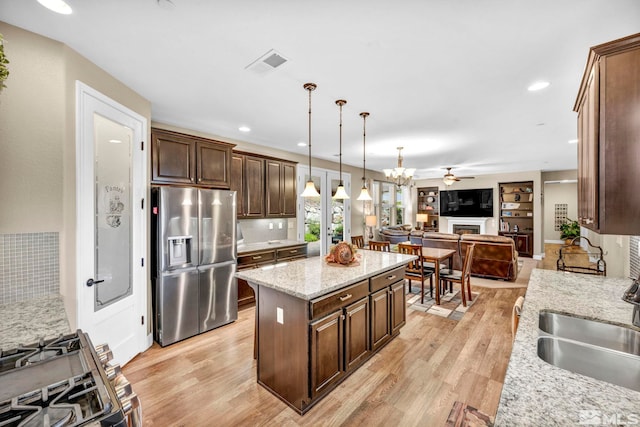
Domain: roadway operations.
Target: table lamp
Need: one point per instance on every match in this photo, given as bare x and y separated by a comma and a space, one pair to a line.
421, 218
371, 221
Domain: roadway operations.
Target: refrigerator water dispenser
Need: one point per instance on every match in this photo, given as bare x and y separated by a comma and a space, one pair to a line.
179, 250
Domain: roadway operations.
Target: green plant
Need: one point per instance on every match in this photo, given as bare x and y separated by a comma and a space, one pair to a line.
308, 237
4, 71
569, 229
313, 228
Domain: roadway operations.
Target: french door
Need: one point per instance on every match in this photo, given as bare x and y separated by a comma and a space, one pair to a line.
323, 221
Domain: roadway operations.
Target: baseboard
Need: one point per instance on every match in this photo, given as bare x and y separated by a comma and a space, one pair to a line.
559, 242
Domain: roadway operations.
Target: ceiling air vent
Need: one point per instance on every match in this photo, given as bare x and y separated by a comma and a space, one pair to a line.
266, 63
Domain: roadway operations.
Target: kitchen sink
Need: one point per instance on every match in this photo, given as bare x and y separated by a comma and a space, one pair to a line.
592, 332
615, 367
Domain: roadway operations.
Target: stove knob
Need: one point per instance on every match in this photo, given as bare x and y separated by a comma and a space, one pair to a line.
112, 371
104, 353
133, 410
123, 388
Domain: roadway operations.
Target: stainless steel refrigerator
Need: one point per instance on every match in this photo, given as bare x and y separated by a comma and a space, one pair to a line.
194, 240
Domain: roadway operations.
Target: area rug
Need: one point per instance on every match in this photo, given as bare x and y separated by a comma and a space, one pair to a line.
463, 415
525, 266
450, 304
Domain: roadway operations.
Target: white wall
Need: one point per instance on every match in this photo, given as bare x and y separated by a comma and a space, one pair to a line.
555, 193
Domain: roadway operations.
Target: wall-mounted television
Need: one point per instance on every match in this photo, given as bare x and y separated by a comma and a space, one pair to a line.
467, 203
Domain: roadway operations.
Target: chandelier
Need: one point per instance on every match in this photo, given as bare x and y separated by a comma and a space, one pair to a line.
399, 175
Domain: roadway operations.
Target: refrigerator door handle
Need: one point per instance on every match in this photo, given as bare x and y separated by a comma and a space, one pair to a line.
218, 265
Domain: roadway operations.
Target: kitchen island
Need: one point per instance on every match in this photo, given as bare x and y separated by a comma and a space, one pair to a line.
536, 393
318, 322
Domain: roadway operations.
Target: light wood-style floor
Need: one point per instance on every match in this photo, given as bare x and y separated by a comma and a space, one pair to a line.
211, 379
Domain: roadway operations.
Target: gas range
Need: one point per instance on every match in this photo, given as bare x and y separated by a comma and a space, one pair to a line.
65, 382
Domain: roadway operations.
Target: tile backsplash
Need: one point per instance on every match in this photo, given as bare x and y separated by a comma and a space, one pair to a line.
29, 266
634, 256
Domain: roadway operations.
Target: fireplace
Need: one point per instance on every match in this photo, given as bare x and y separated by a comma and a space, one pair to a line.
466, 229
466, 225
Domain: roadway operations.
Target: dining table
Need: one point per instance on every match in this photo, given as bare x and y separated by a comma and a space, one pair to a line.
437, 256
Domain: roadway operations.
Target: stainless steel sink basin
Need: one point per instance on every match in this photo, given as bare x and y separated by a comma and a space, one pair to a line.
590, 331
612, 366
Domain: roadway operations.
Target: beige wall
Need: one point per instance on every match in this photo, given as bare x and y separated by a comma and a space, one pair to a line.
491, 181
37, 139
556, 189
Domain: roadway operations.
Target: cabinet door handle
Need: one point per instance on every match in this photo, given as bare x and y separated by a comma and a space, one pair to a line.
345, 297
393, 276
293, 251
256, 257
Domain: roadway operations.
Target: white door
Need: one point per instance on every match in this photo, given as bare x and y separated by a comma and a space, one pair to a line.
111, 223
324, 218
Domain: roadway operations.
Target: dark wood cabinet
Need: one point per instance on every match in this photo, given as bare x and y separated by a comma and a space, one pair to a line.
517, 214
398, 307
281, 189
260, 258
380, 324
178, 158
327, 352
356, 333
247, 179
608, 131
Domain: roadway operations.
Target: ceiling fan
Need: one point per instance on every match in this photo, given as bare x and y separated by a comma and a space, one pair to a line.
450, 178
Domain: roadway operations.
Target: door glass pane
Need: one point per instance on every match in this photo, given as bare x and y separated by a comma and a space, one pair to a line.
113, 234
337, 214
312, 217
400, 194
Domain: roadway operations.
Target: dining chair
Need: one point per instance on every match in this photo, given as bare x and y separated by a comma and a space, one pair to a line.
462, 277
415, 269
376, 245
358, 241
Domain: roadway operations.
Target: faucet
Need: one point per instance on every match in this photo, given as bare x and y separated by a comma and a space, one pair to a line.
632, 296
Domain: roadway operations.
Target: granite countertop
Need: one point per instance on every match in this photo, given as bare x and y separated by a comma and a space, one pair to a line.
264, 246
28, 321
312, 277
536, 393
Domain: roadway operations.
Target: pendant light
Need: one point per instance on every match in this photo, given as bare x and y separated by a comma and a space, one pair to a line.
310, 188
340, 191
364, 193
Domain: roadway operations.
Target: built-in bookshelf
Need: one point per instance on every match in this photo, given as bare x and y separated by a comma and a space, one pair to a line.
517, 214
429, 204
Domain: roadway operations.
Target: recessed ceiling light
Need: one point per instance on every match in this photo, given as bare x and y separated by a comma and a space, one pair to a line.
538, 86
58, 6
573, 141
244, 129
302, 144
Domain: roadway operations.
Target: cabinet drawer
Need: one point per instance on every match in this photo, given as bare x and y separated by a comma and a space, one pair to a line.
257, 258
385, 279
338, 299
291, 252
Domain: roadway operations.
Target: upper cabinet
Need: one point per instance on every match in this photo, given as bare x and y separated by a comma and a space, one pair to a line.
266, 186
281, 188
247, 179
177, 158
608, 106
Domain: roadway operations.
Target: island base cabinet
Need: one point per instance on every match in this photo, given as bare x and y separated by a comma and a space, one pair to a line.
380, 325
327, 352
283, 346
398, 307
356, 329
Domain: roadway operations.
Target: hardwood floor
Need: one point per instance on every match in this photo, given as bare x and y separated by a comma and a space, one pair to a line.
211, 379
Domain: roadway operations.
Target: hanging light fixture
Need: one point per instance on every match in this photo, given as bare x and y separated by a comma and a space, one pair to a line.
310, 188
340, 191
364, 193
399, 175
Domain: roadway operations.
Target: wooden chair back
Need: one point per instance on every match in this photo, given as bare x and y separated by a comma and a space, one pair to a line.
376, 245
358, 241
415, 267
468, 260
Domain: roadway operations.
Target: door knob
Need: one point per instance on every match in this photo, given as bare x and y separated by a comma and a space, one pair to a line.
92, 282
